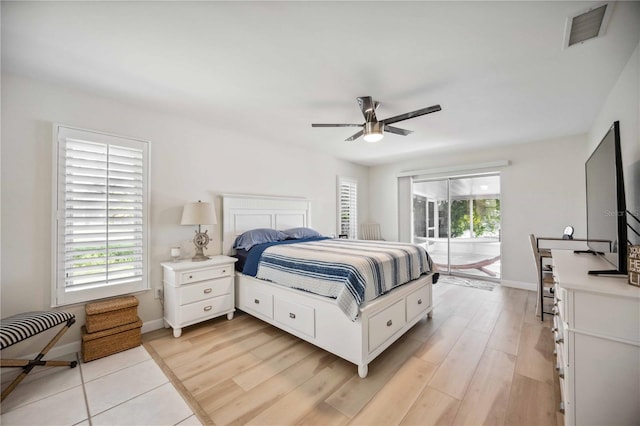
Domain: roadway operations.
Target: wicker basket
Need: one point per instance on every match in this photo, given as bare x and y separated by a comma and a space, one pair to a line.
111, 313
108, 342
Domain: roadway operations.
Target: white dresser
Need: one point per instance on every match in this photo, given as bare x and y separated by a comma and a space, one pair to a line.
197, 291
597, 334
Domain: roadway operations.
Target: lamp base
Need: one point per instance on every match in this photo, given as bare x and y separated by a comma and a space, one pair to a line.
200, 256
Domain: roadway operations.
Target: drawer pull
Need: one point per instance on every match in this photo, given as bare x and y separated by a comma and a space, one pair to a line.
561, 375
256, 301
562, 407
190, 276
292, 315
554, 329
560, 340
389, 323
224, 271
207, 290
419, 301
207, 308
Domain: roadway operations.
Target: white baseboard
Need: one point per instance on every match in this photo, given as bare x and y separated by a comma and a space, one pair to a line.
519, 284
152, 325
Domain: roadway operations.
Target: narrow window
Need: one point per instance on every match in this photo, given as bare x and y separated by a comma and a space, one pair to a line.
348, 207
101, 215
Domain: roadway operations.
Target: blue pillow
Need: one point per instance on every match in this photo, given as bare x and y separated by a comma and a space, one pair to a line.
297, 233
258, 236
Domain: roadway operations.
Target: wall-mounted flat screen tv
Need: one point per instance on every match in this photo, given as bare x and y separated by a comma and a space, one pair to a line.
606, 207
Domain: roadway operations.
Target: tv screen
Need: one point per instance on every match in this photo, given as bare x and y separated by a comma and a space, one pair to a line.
606, 209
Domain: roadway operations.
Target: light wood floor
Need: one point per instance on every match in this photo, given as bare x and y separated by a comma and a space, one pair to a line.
484, 358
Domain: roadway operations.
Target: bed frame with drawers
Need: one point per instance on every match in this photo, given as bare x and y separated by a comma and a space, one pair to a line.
317, 319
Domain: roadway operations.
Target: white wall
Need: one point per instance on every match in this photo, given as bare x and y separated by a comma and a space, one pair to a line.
623, 104
542, 192
189, 161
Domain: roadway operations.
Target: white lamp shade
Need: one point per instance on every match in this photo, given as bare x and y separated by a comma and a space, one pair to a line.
198, 214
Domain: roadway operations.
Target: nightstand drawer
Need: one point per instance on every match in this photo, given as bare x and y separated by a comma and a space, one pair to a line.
206, 308
205, 290
205, 274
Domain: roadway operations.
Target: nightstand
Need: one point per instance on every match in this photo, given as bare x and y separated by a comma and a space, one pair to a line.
197, 291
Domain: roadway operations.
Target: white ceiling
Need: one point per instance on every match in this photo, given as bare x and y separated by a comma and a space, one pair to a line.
268, 70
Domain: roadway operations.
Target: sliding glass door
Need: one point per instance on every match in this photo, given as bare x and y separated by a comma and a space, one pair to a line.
458, 221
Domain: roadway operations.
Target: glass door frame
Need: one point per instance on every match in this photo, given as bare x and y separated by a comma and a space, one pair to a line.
448, 180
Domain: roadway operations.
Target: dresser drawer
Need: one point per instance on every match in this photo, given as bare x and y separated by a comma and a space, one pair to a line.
206, 308
385, 323
205, 290
417, 302
205, 274
258, 301
296, 316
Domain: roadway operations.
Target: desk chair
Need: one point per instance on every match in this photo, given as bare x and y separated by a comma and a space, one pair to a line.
20, 327
545, 279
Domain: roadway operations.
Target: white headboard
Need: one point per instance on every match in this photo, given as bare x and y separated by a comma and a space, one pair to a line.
241, 213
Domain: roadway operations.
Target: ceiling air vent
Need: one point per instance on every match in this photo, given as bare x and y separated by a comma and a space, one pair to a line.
587, 25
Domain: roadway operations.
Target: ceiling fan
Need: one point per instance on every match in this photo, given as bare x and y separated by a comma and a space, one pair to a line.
372, 129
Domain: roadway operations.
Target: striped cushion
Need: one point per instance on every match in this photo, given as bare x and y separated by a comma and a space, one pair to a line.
22, 326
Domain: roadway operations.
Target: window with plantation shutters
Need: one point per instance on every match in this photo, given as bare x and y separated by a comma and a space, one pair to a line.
101, 220
348, 207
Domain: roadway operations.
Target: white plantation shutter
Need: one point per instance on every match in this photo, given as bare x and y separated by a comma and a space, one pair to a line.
101, 227
348, 207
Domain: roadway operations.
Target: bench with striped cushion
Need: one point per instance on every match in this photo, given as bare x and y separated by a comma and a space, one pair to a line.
19, 327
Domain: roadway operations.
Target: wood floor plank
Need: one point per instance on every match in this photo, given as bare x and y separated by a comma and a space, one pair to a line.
262, 372
535, 354
351, 397
217, 355
431, 408
456, 371
199, 383
486, 400
220, 395
325, 415
516, 299
391, 403
530, 403
257, 399
275, 345
486, 317
295, 405
506, 333
440, 343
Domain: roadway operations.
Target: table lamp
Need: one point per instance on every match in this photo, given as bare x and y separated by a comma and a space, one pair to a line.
199, 214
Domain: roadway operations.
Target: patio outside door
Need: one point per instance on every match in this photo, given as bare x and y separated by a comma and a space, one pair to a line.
458, 221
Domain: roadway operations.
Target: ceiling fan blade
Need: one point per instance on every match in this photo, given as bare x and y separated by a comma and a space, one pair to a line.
356, 136
412, 114
336, 125
397, 130
368, 108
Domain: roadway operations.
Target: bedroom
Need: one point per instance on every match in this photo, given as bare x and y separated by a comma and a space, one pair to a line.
217, 130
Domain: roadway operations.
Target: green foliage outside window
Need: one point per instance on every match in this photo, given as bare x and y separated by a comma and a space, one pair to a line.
486, 217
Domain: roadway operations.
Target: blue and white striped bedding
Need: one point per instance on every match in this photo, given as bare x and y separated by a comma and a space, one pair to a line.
350, 271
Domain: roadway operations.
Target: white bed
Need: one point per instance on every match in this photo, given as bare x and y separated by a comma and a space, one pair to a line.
313, 318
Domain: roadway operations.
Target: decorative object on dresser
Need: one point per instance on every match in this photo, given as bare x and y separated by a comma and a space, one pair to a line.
17, 328
199, 214
597, 336
175, 254
195, 292
634, 265
111, 326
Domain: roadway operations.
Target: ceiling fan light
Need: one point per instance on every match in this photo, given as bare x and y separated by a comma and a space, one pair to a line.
373, 137
373, 132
